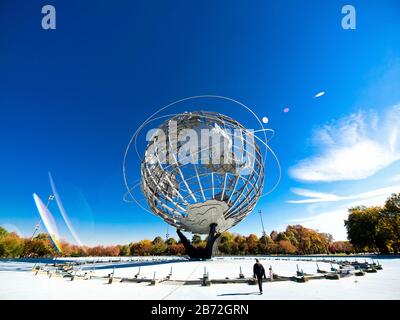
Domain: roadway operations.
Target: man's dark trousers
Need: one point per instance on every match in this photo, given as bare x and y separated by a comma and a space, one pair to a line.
259, 280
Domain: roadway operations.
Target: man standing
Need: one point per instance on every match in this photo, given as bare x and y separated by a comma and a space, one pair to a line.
259, 273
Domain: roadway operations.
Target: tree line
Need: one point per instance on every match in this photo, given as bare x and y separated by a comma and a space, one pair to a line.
369, 229
295, 239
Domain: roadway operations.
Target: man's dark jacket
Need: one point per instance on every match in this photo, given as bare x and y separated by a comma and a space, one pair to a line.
259, 270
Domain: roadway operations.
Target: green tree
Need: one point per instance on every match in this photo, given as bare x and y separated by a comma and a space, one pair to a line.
241, 244
159, 247
225, 248
124, 251
170, 241
281, 237
158, 240
252, 244
361, 226
388, 227
227, 237
376, 228
11, 246
227, 244
290, 235
3, 232
40, 246
263, 244
196, 239
265, 239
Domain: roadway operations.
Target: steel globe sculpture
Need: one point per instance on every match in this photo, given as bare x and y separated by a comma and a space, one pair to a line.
202, 172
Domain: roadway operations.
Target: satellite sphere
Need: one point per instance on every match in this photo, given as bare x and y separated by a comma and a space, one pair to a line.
202, 168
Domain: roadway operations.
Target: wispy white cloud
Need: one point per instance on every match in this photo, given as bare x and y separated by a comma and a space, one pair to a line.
331, 219
328, 221
352, 148
316, 197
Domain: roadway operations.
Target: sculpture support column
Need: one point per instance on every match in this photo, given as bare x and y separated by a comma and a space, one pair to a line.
200, 253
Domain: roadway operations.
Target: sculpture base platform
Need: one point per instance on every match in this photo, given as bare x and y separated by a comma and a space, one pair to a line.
200, 253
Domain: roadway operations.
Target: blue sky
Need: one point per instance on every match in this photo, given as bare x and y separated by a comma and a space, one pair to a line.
71, 98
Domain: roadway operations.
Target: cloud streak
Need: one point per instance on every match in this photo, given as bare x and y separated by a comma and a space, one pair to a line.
319, 94
352, 148
317, 197
331, 219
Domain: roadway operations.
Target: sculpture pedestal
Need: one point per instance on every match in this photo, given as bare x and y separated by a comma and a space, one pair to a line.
200, 253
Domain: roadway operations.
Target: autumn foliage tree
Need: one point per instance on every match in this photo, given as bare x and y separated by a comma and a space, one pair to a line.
294, 240
11, 245
341, 247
